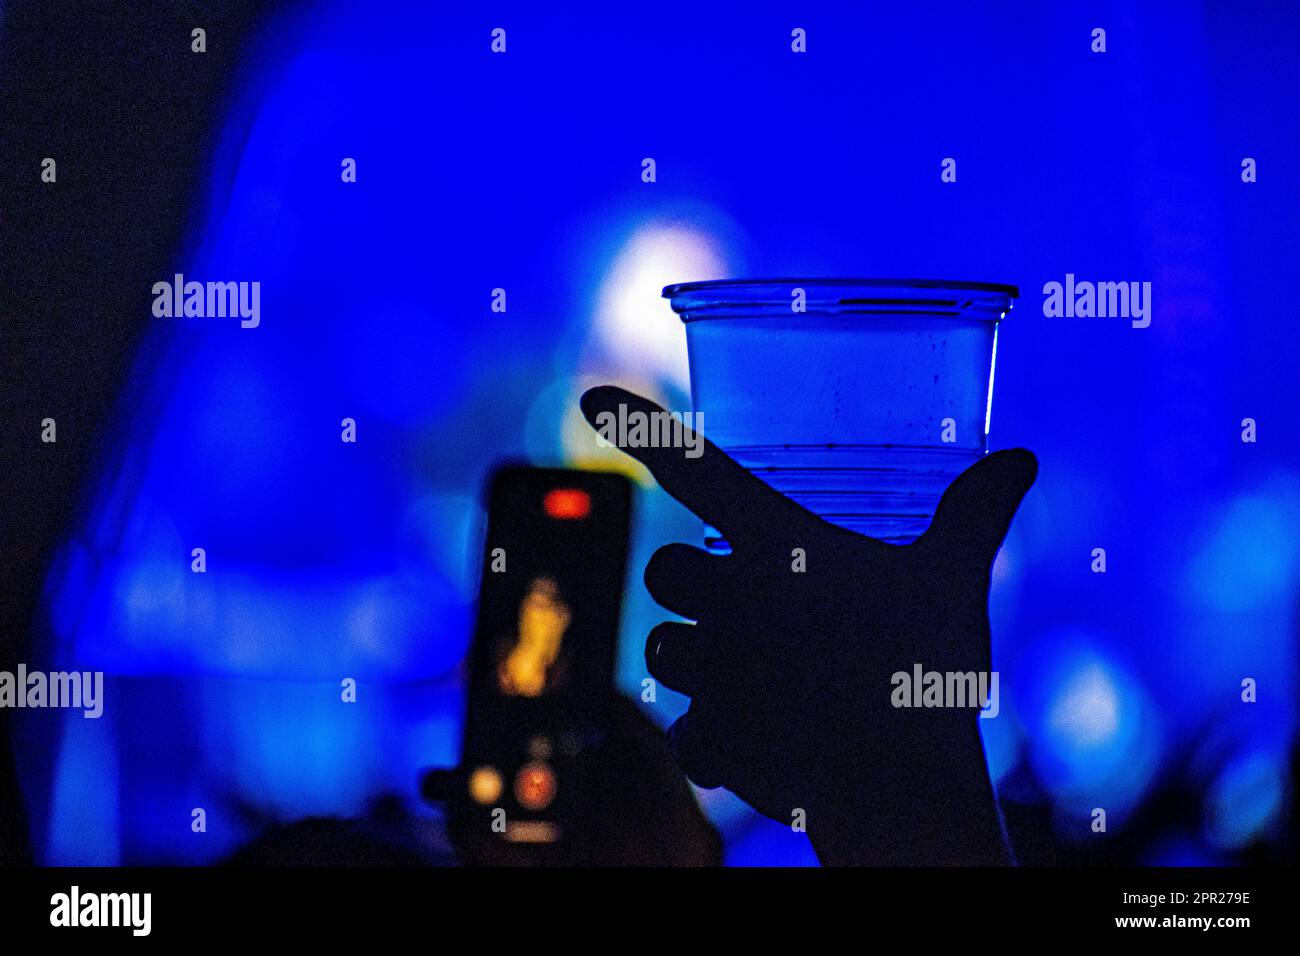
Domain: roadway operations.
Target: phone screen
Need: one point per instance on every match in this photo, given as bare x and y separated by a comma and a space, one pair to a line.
542, 663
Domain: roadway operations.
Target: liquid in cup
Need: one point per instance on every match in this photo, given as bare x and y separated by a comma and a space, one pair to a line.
864, 406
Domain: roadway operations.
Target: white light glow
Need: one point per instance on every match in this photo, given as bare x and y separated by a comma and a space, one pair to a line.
633, 322
1088, 709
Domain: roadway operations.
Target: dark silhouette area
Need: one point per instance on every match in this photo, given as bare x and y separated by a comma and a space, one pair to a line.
325, 841
789, 670
114, 94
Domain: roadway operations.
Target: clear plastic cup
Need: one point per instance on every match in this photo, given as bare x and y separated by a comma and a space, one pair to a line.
864, 406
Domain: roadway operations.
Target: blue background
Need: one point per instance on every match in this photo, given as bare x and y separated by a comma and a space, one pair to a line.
522, 171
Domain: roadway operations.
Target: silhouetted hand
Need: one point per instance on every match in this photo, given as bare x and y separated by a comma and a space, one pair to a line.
789, 671
641, 812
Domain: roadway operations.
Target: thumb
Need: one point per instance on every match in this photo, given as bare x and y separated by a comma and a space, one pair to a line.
975, 512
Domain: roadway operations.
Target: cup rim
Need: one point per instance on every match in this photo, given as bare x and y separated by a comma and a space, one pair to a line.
917, 298
705, 285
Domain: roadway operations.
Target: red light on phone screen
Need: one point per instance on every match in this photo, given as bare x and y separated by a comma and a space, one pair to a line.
535, 786
567, 503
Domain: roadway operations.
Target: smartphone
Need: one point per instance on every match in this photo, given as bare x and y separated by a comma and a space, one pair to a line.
542, 658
